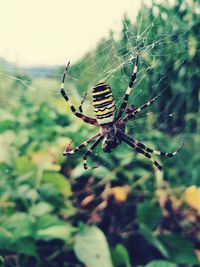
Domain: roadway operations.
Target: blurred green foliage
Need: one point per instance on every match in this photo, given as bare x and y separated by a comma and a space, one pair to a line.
124, 213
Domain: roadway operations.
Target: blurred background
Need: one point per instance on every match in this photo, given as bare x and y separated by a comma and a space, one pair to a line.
125, 212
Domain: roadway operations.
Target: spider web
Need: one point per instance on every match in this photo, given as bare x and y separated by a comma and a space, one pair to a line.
117, 70
120, 63
113, 69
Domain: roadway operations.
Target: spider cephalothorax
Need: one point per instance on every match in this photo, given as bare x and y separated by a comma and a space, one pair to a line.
112, 126
109, 132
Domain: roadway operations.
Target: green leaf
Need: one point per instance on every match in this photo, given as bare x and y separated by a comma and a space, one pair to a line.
6, 125
26, 192
20, 225
25, 246
1, 261
62, 232
59, 182
47, 220
23, 165
5, 238
148, 214
78, 171
153, 240
41, 208
92, 249
180, 249
120, 256
8, 241
103, 172
160, 263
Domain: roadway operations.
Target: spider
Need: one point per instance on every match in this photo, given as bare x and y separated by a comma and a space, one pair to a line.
112, 131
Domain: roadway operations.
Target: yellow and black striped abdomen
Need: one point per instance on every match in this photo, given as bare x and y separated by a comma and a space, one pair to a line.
103, 103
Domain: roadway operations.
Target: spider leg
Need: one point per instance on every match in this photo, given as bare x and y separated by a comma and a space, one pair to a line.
133, 114
130, 109
82, 145
78, 114
149, 103
89, 151
156, 152
124, 137
81, 104
130, 86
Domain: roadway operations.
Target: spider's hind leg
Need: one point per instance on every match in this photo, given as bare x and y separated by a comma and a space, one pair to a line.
82, 145
122, 127
157, 152
131, 142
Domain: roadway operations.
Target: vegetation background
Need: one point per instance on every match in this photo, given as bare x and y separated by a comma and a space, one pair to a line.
124, 213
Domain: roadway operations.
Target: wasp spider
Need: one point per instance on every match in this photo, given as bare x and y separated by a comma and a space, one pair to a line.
112, 125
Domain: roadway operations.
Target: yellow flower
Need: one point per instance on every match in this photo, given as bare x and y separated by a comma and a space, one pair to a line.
192, 197
120, 193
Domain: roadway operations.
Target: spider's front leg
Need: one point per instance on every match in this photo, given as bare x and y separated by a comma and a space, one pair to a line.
132, 113
129, 89
81, 104
129, 113
131, 110
77, 114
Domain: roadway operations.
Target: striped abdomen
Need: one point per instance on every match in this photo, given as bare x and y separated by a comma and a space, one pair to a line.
103, 103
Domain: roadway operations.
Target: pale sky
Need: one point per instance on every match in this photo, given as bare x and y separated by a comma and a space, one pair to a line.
49, 32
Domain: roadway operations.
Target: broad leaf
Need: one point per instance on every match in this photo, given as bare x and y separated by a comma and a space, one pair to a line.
148, 214
160, 263
180, 249
25, 246
153, 240
92, 249
20, 225
41, 208
47, 220
59, 182
62, 232
120, 256
23, 165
